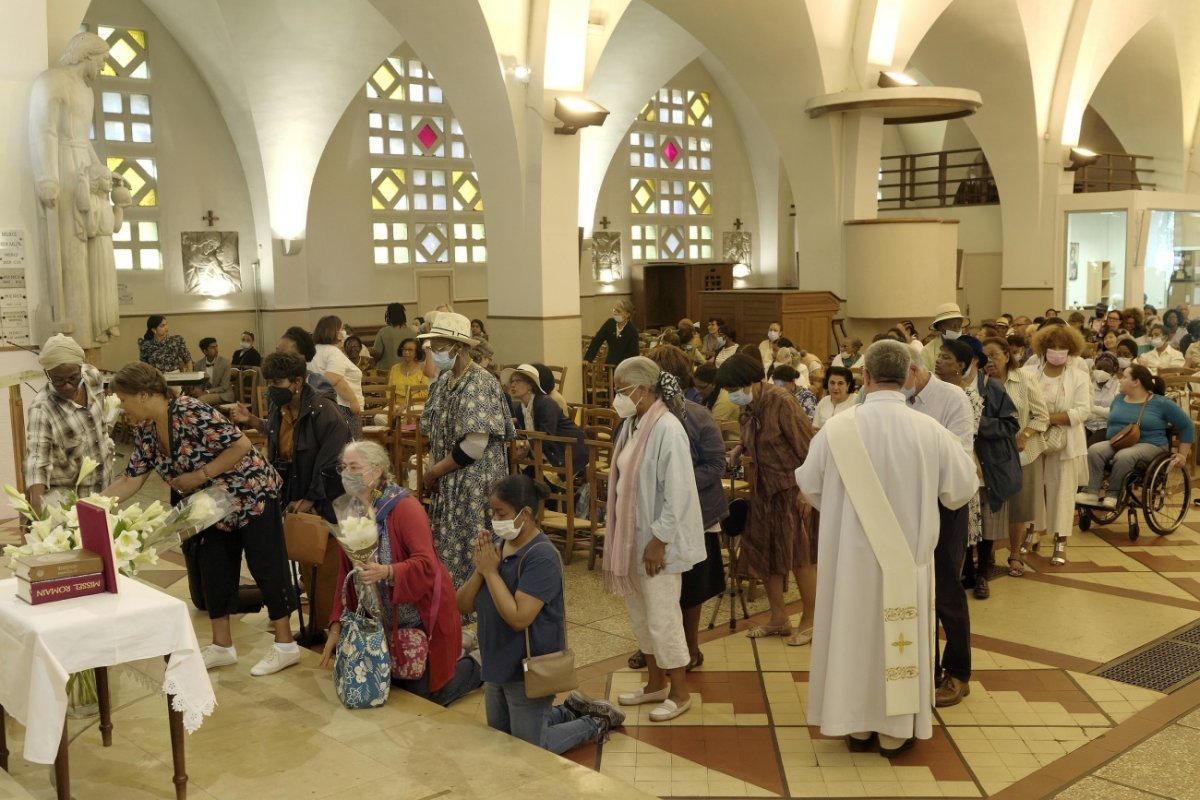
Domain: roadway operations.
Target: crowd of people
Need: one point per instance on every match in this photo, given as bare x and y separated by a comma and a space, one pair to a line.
877, 477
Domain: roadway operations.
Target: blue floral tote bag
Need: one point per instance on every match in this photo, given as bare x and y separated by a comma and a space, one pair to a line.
362, 669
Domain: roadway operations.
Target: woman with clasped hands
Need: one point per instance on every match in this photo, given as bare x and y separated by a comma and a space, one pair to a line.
655, 528
407, 576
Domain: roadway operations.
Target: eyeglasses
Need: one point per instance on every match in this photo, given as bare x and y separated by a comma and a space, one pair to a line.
70, 380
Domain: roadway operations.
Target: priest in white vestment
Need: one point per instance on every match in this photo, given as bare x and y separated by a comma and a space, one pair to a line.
872, 660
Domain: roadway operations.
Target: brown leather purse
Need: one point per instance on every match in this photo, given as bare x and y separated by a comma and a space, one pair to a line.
1131, 434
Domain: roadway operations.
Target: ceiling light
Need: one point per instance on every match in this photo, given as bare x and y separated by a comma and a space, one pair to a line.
1080, 157
890, 78
576, 113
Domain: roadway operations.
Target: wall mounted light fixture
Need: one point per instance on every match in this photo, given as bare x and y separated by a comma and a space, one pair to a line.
576, 113
1080, 157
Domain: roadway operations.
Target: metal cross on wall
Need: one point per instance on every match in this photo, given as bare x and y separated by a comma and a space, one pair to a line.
737, 223
605, 222
209, 218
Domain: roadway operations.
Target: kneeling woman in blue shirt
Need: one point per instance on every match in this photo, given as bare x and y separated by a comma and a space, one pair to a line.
518, 585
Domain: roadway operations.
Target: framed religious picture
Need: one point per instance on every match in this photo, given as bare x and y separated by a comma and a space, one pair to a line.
1072, 261
210, 263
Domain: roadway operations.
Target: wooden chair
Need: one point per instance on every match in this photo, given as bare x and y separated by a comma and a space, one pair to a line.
410, 450
599, 460
561, 523
599, 423
560, 376
379, 399
247, 389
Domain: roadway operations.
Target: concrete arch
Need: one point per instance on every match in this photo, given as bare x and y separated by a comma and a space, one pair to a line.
1147, 123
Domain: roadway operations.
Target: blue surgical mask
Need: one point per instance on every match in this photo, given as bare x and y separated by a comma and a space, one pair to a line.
741, 397
908, 392
443, 361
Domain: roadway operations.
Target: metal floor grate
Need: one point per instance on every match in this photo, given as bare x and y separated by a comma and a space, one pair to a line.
1163, 667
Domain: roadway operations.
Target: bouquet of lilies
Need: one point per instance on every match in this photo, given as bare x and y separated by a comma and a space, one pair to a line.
358, 537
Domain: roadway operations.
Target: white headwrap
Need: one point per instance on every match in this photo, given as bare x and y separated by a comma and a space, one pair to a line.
60, 349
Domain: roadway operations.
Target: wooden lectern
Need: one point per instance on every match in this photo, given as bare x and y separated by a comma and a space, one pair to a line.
807, 317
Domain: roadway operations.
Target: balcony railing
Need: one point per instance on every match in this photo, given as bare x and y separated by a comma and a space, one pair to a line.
1115, 172
963, 178
936, 180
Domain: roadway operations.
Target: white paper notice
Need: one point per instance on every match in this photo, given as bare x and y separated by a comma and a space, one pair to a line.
14, 302
12, 247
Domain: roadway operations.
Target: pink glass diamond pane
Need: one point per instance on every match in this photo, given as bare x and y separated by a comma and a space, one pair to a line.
670, 152
427, 135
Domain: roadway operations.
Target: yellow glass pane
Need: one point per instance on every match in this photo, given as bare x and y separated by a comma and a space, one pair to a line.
378, 206
468, 193
122, 53
136, 181
383, 77
108, 71
642, 196
114, 162
388, 189
138, 36
151, 199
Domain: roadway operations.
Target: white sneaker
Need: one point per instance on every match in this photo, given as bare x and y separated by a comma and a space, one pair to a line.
1087, 499
218, 658
1109, 502
274, 661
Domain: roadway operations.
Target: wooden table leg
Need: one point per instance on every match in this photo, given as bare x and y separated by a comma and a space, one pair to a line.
62, 768
105, 707
3, 741
177, 757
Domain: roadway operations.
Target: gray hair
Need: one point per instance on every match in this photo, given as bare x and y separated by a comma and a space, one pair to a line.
82, 47
887, 361
638, 371
624, 305
372, 453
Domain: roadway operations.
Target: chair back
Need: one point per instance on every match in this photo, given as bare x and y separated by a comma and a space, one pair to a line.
560, 376
598, 383
599, 465
246, 389
599, 423
559, 518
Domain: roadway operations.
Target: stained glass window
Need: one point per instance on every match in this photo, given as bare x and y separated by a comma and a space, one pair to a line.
125, 141
670, 177
426, 201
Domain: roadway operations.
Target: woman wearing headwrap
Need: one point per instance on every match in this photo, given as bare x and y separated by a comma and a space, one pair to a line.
655, 528
65, 424
777, 540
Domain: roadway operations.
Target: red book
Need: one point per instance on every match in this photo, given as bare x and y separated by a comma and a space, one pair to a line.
59, 588
93, 531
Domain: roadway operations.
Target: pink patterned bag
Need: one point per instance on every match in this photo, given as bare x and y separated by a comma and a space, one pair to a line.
410, 646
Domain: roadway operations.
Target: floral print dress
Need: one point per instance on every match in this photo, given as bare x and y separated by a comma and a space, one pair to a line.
165, 356
472, 402
199, 433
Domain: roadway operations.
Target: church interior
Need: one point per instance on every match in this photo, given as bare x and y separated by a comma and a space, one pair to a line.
837, 164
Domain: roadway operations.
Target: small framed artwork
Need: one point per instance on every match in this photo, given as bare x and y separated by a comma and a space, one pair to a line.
1072, 261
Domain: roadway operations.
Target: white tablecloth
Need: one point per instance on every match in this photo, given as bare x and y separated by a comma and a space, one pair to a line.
41, 645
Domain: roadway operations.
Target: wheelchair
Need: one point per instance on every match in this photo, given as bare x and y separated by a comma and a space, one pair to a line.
1157, 488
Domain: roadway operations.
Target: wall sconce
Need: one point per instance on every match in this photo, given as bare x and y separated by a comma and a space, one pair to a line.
291, 247
576, 113
891, 79
606, 256
1080, 157
736, 247
522, 73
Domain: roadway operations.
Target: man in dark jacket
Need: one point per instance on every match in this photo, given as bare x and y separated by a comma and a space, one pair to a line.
306, 433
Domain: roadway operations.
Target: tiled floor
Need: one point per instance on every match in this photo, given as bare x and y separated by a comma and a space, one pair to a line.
1036, 723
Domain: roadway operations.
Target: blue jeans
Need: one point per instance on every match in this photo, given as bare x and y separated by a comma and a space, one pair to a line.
465, 679
536, 720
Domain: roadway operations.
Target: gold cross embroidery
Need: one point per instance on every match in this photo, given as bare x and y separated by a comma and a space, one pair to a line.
901, 643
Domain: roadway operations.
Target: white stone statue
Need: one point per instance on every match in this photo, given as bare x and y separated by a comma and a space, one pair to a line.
67, 169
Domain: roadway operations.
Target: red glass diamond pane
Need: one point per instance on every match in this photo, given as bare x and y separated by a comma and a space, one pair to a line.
670, 152
427, 135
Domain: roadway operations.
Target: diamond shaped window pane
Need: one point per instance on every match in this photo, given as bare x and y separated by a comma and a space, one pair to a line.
142, 72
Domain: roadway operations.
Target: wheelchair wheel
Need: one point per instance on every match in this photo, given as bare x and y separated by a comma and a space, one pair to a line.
1166, 494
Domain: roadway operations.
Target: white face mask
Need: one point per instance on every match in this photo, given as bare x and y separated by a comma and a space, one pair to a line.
951, 335
741, 397
342, 335
624, 405
773, 335
1157, 342
1100, 376
247, 345
1123, 363
507, 529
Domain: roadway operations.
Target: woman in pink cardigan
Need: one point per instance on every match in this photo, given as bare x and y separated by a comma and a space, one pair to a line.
415, 590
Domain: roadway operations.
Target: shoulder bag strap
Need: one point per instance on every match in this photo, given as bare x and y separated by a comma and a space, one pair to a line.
563, 575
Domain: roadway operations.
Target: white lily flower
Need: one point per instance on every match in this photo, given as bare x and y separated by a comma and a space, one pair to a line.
86, 468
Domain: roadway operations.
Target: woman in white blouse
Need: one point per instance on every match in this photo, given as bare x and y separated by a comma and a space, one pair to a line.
1105, 382
333, 365
1068, 395
839, 394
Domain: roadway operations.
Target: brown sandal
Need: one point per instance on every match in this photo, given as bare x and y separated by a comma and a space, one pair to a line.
1017, 571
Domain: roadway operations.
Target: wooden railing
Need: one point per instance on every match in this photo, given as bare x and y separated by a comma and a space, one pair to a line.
936, 180
1115, 172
